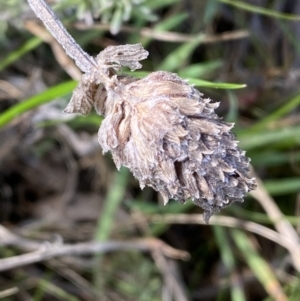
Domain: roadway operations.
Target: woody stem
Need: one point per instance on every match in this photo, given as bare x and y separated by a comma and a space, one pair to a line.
84, 61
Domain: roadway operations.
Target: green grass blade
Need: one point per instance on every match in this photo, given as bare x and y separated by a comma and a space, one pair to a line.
35, 101
260, 268
232, 114
271, 158
282, 186
56, 291
15, 55
117, 19
289, 34
173, 207
112, 202
180, 55
222, 240
258, 217
283, 110
155, 4
171, 22
292, 290
211, 10
105, 222
195, 81
207, 84
165, 26
84, 121
200, 70
251, 141
261, 10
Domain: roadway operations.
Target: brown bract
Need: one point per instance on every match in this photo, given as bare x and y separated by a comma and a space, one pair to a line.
167, 134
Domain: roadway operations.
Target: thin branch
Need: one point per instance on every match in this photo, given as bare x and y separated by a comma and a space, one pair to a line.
60, 55
168, 36
72, 276
43, 251
85, 62
173, 284
231, 222
9, 292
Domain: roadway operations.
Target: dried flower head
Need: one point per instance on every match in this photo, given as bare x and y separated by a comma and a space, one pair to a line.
165, 132
159, 127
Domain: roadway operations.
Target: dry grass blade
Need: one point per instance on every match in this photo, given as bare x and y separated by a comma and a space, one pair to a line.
225, 221
174, 286
281, 224
8, 292
44, 251
260, 267
173, 37
70, 274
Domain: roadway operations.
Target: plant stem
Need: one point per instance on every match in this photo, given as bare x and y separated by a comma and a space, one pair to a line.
84, 61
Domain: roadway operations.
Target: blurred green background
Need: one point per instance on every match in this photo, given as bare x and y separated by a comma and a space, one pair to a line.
55, 184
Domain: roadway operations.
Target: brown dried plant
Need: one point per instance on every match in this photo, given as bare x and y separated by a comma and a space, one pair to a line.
160, 127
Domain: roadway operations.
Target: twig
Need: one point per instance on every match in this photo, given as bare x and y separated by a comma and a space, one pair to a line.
80, 146
71, 275
226, 221
168, 36
64, 61
43, 251
173, 285
8, 89
8, 292
85, 62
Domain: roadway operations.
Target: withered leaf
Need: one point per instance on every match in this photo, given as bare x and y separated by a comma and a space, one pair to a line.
82, 100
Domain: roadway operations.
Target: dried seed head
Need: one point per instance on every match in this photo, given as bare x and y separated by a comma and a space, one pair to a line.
159, 127
170, 138
167, 135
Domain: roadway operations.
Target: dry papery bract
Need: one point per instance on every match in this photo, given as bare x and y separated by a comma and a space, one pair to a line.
164, 131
